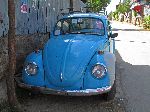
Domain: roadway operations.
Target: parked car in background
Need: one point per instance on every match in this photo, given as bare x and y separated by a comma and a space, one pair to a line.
77, 60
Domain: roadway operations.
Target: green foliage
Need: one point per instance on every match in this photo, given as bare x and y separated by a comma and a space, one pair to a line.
116, 15
97, 5
124, 7
110, 15
146, 22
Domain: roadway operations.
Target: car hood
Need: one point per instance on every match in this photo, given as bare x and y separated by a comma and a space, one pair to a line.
66, 57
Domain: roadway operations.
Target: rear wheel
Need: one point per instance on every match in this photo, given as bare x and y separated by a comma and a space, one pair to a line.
111, 94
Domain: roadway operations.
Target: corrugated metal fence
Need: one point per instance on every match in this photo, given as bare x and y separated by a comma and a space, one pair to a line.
40, 17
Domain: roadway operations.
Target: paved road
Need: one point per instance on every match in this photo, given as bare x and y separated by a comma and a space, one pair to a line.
133, 57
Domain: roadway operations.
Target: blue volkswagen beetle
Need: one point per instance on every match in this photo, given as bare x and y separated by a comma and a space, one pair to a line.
77, 60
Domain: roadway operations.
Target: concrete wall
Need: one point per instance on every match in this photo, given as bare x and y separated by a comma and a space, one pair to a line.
28, 43
4, 16
3, 67
3, 55
25, 44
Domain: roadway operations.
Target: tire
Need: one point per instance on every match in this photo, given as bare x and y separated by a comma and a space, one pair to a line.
111, 94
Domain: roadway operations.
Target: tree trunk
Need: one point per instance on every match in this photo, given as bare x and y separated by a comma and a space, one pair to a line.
71, 5
12, 99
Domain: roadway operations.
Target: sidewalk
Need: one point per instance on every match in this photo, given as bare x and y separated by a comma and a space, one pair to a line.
130, 25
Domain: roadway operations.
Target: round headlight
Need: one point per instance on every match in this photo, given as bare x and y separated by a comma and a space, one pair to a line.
99, 71
31, 68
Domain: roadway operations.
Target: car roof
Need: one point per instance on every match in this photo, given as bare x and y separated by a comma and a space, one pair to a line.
92, 15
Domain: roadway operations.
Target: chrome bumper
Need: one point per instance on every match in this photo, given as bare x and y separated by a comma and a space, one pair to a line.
44, 90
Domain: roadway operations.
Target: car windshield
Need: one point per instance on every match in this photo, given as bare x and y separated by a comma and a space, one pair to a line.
79, 26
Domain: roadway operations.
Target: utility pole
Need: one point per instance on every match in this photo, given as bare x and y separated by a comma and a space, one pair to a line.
12, 99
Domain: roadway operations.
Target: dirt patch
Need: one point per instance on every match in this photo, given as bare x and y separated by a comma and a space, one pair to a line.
52, 103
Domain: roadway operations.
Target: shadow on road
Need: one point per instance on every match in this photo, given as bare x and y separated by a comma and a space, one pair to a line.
134, 81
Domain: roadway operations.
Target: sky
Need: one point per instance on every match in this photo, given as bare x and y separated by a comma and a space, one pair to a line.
112, 6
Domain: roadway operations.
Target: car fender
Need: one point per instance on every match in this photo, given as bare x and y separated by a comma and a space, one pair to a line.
37, 79
110, 61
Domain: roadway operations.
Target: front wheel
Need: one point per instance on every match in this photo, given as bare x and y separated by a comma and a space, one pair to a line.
111, 94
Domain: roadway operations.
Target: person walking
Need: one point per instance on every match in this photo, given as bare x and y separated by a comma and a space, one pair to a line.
138, 19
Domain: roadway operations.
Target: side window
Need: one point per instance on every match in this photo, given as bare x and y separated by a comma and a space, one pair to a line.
58, 27
99, 26
62, 27
65, 26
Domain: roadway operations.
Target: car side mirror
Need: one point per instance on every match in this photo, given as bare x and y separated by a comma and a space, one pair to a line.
113, 35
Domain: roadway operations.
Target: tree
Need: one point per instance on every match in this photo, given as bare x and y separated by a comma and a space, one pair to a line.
71, 5
124, 7
12, 99
97, 5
